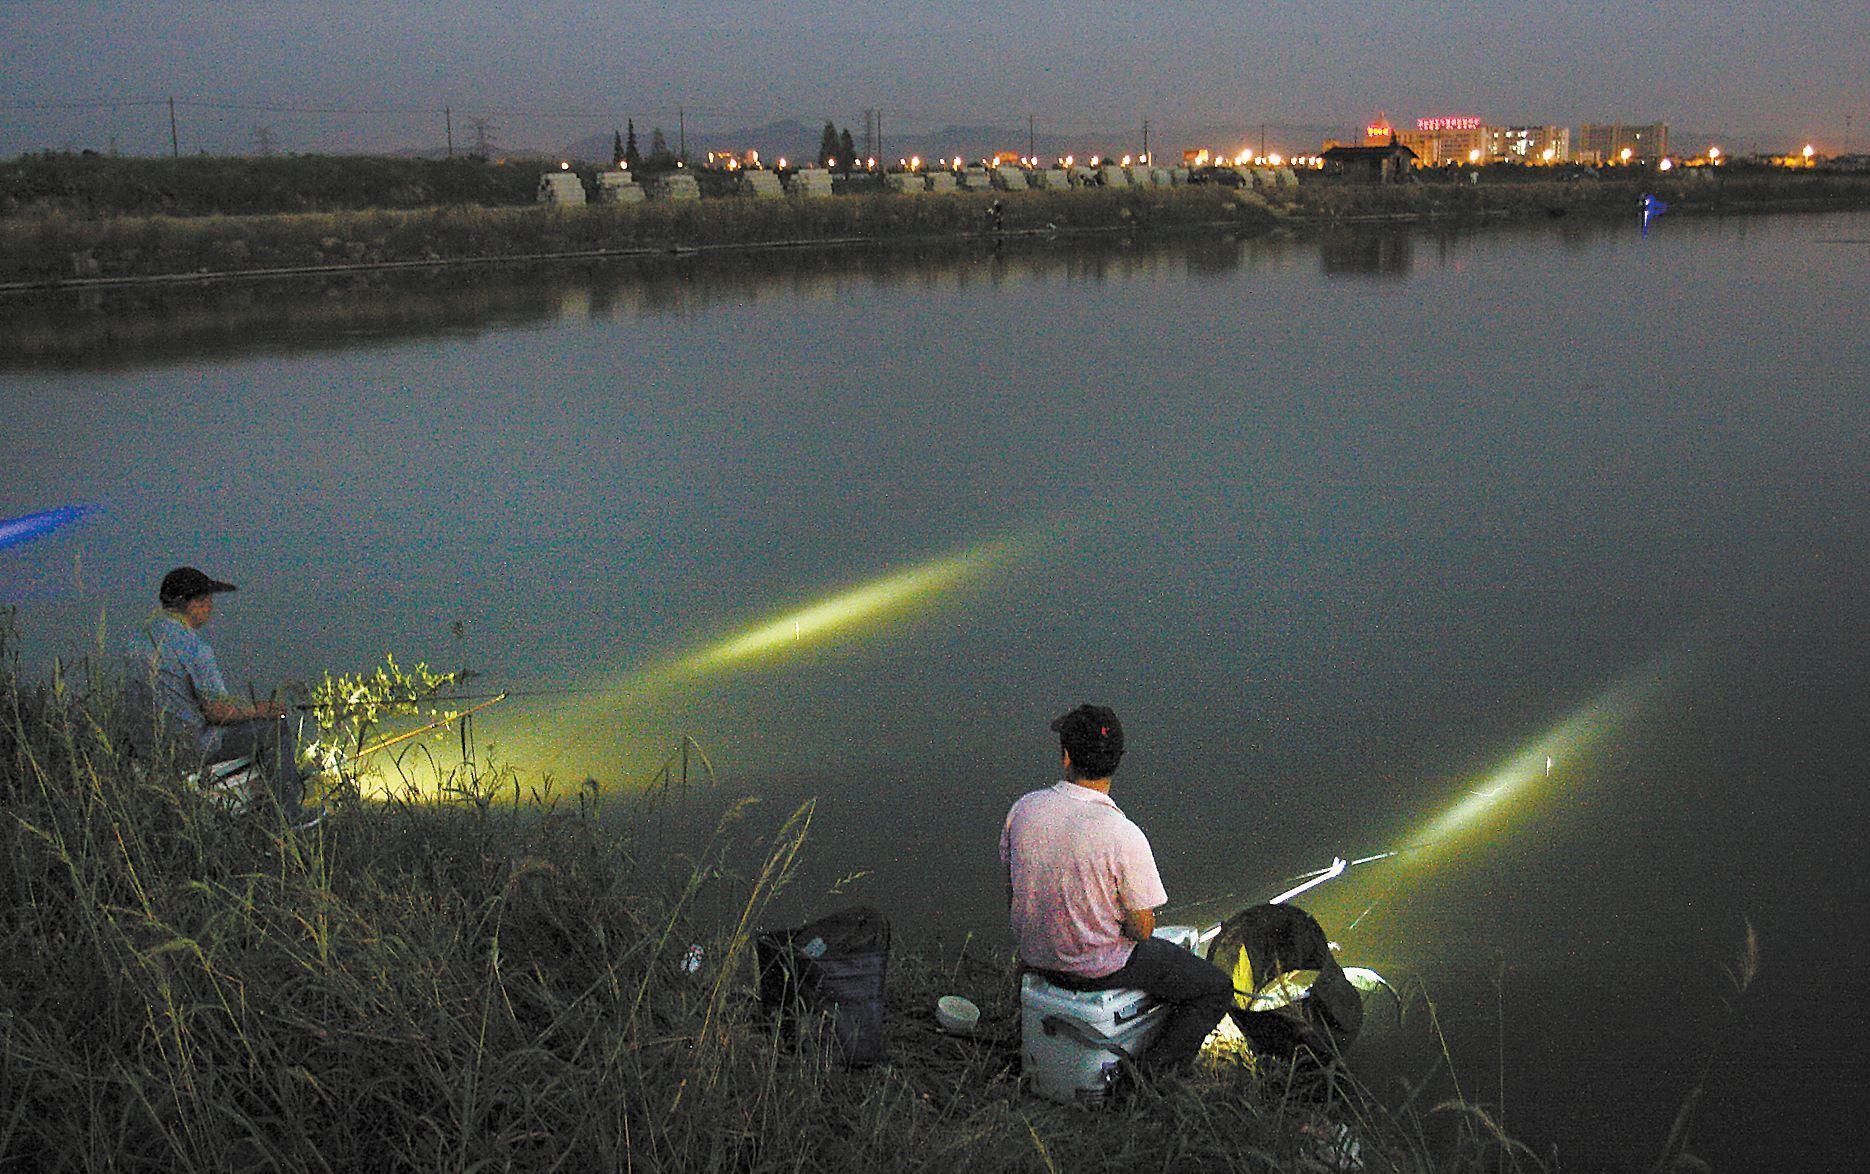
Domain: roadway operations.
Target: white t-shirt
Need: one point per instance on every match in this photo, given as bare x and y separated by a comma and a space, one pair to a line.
1078, 865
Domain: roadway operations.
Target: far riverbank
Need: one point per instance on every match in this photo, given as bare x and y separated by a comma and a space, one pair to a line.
64, 250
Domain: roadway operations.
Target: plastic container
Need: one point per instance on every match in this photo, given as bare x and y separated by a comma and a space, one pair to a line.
1067, 1038
957, 1016
1186, 936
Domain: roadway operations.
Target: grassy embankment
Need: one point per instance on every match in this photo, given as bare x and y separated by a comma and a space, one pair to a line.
1511, 194
473, 984
63, 247
63, 230
65, 218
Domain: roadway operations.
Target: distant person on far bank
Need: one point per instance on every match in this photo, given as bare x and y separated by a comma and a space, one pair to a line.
1083, 892
177, 692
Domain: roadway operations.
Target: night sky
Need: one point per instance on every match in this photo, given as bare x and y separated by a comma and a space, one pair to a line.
1765, 75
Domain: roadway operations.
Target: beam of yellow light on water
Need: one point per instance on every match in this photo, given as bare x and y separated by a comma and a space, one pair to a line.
582, 734
873, 600
1518, 778
794, 631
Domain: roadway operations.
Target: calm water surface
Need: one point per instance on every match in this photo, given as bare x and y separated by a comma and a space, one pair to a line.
1350, 532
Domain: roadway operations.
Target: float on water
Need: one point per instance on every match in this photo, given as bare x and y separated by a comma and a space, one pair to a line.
1518, 778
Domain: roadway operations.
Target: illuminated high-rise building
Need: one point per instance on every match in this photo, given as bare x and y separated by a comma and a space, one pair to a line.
1527, 144
1447, 139
1607, 142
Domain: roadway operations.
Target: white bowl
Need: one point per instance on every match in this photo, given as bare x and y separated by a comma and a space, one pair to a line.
956, 1015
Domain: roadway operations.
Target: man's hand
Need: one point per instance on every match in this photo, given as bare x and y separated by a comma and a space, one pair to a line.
1139, 924
222, 711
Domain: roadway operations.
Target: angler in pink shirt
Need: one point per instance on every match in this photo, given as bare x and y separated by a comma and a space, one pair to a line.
1083, 890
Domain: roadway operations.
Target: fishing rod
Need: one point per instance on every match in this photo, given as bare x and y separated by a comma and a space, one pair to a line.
502, 695
1311, 880
398, 739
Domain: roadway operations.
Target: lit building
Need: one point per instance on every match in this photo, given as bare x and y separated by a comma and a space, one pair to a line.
1526, 144
1463, 139
1451, 139
733, 160
1608, 142
1389, 163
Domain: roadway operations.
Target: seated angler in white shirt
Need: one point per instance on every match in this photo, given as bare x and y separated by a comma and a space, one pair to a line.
1082, 891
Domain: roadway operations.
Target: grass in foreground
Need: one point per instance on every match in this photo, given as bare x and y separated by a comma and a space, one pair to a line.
471, 985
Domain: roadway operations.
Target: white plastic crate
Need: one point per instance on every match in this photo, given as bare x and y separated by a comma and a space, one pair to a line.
1067, 1038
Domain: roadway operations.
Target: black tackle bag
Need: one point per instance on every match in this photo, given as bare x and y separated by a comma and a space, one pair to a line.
829, 972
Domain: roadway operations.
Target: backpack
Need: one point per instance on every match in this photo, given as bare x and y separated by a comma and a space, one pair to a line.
829, 972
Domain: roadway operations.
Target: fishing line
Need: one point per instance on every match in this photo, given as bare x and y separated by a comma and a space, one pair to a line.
503, 695
1338, 867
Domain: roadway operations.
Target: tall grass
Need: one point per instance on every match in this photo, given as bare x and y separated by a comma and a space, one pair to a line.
473, 985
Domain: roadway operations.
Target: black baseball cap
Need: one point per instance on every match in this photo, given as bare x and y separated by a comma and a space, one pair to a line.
1089, 731
186, 583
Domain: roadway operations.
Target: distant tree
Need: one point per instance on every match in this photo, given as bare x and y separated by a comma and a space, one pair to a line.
828, 146
616, 147
659, 157
847, 150
630, 154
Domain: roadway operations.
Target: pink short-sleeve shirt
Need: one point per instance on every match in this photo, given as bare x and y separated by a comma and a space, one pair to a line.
1077, 865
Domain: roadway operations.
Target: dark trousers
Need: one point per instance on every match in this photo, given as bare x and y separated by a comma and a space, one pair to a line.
1197, 991
274, 745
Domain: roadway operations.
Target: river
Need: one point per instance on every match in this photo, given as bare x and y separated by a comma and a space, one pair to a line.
1534, 551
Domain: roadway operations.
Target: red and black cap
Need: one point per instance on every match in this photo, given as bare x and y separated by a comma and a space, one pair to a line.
1089, 731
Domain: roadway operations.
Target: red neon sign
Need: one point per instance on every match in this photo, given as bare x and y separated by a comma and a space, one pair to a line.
1451, 122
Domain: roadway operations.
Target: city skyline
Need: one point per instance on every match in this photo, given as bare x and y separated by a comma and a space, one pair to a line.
348, 76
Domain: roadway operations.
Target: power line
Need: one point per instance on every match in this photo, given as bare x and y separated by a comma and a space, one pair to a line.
275, 108
8, 104
873, 115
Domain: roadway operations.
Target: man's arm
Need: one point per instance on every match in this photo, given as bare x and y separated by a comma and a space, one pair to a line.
217, 704
1139, 924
